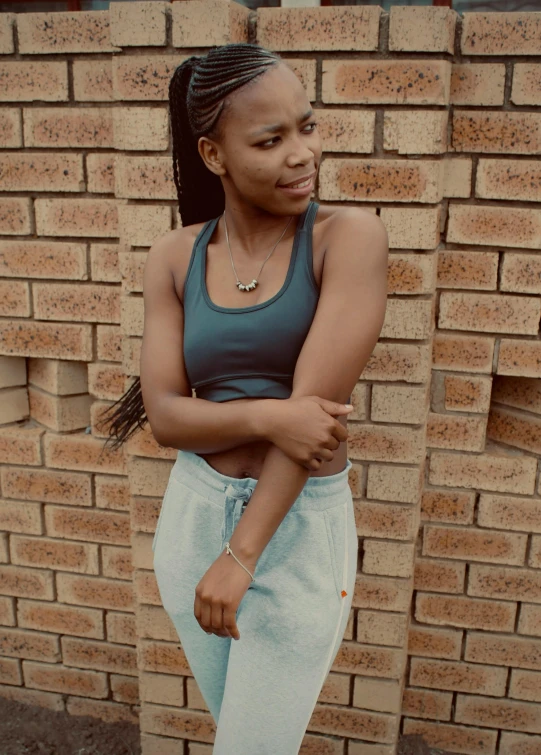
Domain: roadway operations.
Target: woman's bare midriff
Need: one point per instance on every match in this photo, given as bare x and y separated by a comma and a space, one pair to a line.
247, 460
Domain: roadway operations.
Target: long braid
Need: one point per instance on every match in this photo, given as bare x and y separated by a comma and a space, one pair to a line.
197, 98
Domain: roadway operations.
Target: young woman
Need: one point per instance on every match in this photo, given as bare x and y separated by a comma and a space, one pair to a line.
269, 306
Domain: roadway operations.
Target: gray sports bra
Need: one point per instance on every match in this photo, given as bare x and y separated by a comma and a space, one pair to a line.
239, 352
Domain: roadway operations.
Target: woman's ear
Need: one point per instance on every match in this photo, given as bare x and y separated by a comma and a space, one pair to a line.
211, 155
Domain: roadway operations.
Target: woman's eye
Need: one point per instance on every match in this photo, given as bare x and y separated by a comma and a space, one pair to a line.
270, 142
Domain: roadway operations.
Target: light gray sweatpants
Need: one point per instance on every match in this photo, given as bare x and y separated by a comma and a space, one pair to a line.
262, 689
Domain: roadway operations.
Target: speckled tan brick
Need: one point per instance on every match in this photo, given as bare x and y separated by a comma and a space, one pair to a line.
386, 443
411, 273
19, 445
144, 177
381, 695
141, 225
530, 620
461, 611
400, 404
104, 263
493, 131
465, 739
408, 318
138, 23
453, 507
60, 618
322, 28
382, 593
464, 269
124, 689
205, 23
131, 356
153, 623
395, 484
521, 273
398, 361
156, 745
25, 81
62, 32
58, 376
146, 588
458, 676
130, 123
47, 553
412, 227
7, 25
489, 471
10, 126
494, 226
519, 357
389, 559
434, 643
58, 678
415, 131
166, 657
108, 343
363, 748
162, 689
132, 313
96, 592
109, 712
18, 643
81, 452
457, 172
498, 713
305, 69
143, 77
15, 299
505, 583
88, 302
10, 671
16, 516
511, 33
422, 703
515, 429
12, 371
419, 29
76, 217
68, 127
398, 82
534, 559
519, 744
438, 575
106, 381
338, 720
526, 88
346, 130
112, 492
385, 520
382, 628
458, 432
26, 583
93, 80
525, 685
477, 84
14, 403
503, 650
477, 311
116, 562
91, 525
121, 628
42, 259
48, 700
100, 169
15, 215
101, 656
509, 179
381, 180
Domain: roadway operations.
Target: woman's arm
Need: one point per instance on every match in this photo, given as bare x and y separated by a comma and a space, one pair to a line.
344, 332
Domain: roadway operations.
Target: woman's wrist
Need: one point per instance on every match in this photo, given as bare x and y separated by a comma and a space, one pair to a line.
263, 416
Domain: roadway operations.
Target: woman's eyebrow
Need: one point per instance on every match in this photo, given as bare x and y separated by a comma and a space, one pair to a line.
279, 126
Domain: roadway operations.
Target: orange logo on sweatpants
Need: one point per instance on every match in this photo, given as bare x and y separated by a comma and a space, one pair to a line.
344, 593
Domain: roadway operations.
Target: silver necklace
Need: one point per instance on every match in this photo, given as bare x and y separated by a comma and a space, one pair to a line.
254, 283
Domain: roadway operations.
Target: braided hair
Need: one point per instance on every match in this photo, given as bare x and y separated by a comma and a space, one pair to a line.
198, 93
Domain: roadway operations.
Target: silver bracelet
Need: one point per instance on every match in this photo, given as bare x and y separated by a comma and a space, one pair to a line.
230, 552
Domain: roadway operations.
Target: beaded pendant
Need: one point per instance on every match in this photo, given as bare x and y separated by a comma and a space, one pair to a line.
249, 287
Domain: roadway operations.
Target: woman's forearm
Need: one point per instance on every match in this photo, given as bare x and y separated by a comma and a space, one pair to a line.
194, 424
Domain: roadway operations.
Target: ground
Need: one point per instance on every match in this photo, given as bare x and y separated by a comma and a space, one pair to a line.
27, 730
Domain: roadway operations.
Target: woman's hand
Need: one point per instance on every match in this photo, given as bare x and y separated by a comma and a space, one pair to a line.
305, 428
218, 596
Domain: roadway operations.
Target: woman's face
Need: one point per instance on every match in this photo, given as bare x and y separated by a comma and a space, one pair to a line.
269, 138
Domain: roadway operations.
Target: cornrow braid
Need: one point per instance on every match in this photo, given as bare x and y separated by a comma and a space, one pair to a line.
198, 92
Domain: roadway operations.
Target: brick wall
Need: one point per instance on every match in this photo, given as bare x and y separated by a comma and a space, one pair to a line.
428, 118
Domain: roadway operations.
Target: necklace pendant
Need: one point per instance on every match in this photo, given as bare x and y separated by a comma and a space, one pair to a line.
249, 287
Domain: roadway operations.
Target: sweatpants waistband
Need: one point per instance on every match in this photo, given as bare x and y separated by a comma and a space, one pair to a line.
319, 493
